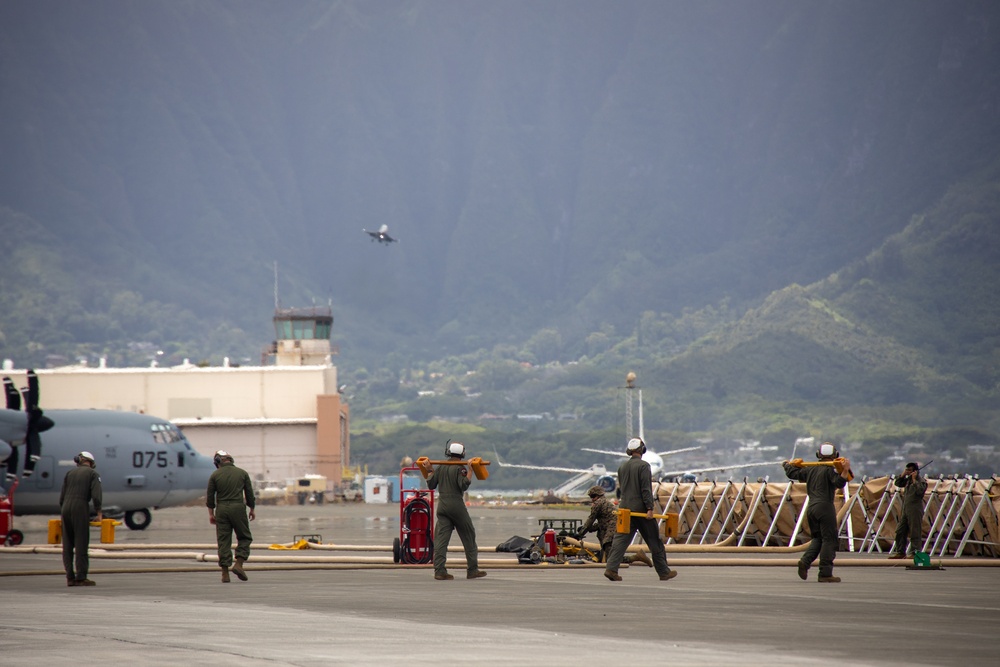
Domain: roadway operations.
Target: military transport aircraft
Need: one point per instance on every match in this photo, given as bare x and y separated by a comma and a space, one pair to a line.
144, 462
382, 235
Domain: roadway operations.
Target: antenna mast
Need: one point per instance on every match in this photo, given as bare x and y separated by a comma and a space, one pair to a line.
642, 434
629, 420
276, 302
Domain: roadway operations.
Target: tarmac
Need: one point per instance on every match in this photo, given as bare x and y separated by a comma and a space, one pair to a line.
170, 608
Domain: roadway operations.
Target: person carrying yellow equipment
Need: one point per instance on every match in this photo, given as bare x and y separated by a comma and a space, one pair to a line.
822, 479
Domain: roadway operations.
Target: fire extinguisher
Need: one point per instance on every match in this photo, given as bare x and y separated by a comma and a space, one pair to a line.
8, 535
549, 541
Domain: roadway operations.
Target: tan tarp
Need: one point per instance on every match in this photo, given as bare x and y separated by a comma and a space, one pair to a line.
766, 514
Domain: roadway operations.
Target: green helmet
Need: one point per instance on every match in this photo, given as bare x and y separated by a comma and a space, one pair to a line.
595, 491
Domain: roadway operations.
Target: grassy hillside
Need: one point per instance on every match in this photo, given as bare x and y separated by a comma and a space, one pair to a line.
900, 346
782, 214
569, 166
911, 330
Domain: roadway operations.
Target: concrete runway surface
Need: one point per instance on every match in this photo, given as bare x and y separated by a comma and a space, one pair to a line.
177, 612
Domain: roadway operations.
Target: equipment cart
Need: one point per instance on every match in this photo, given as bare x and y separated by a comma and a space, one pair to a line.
415, 544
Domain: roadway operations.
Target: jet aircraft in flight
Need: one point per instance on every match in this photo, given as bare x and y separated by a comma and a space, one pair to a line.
382, 235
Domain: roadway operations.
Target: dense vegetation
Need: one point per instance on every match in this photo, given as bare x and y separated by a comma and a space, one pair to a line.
782, 215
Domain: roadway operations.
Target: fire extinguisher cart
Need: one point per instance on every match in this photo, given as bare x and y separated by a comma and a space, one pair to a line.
9, 536
415, 544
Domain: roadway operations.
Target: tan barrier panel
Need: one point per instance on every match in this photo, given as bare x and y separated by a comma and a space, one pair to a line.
961, 516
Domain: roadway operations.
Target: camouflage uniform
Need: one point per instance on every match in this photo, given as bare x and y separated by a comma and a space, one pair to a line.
604, 518
821, 484
911, 519
80, 486
230, 493
452, 481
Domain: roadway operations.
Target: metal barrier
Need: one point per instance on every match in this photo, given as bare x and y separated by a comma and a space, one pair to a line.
961, 515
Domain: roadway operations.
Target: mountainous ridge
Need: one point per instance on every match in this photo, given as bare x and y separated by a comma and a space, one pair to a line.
576, 173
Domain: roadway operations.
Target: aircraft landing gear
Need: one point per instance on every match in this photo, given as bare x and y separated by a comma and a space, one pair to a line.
138, 519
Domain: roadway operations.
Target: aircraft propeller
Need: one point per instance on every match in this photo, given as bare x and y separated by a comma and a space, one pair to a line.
10, 461
37, 423
13, 398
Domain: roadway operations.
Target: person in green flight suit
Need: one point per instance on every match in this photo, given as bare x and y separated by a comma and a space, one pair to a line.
635, 479
910, 527
822, 482
230, 493
81, 486
451, 482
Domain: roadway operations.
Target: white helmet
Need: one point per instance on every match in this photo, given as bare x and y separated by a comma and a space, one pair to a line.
826, 450
635, 444
84, 455
220, 456
455, 449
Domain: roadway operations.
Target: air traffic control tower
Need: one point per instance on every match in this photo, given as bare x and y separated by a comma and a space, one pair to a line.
302, 336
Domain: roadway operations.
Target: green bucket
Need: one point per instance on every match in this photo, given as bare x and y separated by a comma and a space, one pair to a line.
921, 559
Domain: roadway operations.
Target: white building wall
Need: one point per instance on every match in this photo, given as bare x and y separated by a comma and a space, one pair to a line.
258, 392
274, 452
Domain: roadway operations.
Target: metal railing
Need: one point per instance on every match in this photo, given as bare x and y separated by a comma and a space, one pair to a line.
960, 514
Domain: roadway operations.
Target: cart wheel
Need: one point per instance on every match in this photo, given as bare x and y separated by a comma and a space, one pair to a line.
395, 550
14, 537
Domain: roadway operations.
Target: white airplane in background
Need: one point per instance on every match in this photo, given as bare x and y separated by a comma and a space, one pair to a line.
654, 459
609, 480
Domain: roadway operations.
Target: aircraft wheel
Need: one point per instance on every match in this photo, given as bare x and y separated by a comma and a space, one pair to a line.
138, 519
395, 550
14, 537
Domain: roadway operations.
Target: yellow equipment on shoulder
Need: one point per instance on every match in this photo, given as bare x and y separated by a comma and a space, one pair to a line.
477, 464
838, 465
670, 521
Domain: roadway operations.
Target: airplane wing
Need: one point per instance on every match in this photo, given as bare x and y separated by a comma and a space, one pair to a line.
593, 470
382, 235
596, 469
623, 455
693, 471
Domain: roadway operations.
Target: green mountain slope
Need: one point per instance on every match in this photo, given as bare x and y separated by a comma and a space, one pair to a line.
569, 181
913, 324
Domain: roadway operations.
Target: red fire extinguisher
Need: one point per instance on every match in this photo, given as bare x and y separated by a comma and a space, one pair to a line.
8, 534
549, 541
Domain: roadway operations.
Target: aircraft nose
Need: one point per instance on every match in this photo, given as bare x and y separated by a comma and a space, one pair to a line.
200, 470
203, 463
